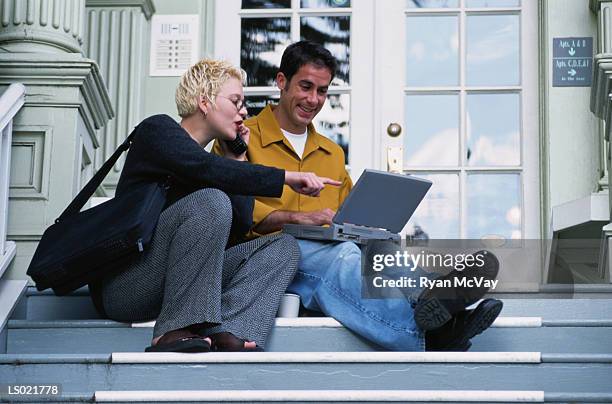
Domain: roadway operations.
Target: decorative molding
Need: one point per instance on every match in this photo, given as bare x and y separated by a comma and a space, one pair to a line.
42, 26
602, 85
39, 138
604, 28
66, 80
591, 208
595, 5
146, 6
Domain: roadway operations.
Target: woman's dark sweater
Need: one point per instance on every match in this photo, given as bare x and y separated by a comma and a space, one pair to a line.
162, 148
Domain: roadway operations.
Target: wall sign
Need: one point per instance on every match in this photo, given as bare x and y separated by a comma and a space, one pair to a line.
174, 44
572, 62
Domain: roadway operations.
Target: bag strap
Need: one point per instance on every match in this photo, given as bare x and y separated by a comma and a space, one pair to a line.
88, 190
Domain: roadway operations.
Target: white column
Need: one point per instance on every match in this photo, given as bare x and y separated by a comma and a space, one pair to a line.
42, 25
54, 135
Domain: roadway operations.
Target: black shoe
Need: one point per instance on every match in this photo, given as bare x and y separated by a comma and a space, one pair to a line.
456, 334
435, 307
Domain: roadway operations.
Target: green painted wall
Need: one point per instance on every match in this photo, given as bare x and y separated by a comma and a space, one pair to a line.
159, 91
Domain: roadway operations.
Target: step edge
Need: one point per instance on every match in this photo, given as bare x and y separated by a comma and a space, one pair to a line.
321, 395
30, 359
328, 357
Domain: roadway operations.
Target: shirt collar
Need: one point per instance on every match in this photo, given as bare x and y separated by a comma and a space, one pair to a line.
271, 133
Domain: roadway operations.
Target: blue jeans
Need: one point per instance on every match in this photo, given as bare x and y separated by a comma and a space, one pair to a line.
329, 280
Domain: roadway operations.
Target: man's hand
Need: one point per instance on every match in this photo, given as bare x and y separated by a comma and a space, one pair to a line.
317, 218
277, 219
308, 183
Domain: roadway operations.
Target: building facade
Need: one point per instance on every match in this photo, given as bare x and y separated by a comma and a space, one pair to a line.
502, 103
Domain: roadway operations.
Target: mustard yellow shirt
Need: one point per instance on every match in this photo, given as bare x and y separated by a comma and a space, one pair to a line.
268, 146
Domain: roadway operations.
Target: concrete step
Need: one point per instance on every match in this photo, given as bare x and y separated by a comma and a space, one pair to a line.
532, 371
46, 306
307, 334
321, 396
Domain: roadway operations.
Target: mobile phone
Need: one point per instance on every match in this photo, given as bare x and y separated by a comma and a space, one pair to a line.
237, 146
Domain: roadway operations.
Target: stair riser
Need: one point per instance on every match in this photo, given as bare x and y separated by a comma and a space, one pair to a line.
50, 307
285, 339
557, 377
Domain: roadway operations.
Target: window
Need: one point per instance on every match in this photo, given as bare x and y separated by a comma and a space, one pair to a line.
268, 27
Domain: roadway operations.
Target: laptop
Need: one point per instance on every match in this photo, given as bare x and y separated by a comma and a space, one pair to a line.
377, 208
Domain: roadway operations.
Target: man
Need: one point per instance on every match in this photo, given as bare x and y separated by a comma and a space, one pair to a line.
329, 274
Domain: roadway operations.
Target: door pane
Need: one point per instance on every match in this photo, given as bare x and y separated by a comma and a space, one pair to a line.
334, 34
266, 4
493, 205
432, 130
493, 50
437, 217
493, 134
432, 3
333, 121
263, 41
492, 3
432, 45
325, 3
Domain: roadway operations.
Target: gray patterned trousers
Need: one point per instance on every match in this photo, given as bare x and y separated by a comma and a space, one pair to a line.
187, 277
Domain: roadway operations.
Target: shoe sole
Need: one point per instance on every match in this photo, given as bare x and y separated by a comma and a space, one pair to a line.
435, 307
483, 317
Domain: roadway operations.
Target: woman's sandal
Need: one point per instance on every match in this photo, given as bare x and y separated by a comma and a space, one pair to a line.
180, 341
228, 342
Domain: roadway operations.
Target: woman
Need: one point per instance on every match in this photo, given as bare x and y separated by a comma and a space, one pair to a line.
202, 295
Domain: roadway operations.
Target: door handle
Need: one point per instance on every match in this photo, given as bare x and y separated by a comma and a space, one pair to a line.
394, 129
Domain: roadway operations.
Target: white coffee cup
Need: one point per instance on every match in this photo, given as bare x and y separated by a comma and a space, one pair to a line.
289, 305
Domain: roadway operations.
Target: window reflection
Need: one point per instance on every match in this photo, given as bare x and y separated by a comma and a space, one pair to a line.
263, 41
432, 3
266, 4
432, 45
432, 130
334, 34
255, 103
493, 205
493, 135
333, 121
325, 3
437, 217
493, 50
492, 3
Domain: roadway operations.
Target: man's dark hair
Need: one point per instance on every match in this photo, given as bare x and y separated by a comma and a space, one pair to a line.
300, 53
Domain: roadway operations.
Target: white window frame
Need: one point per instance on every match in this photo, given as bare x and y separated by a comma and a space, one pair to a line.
392, 103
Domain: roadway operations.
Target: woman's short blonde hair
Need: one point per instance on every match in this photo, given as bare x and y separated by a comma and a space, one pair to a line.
205, 78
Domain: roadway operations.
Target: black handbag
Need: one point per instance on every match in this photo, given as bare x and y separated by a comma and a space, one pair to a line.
83, 247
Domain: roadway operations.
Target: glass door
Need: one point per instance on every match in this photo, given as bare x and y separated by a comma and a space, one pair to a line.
465, 95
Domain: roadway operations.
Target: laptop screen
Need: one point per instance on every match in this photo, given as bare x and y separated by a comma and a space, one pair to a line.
382, 200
